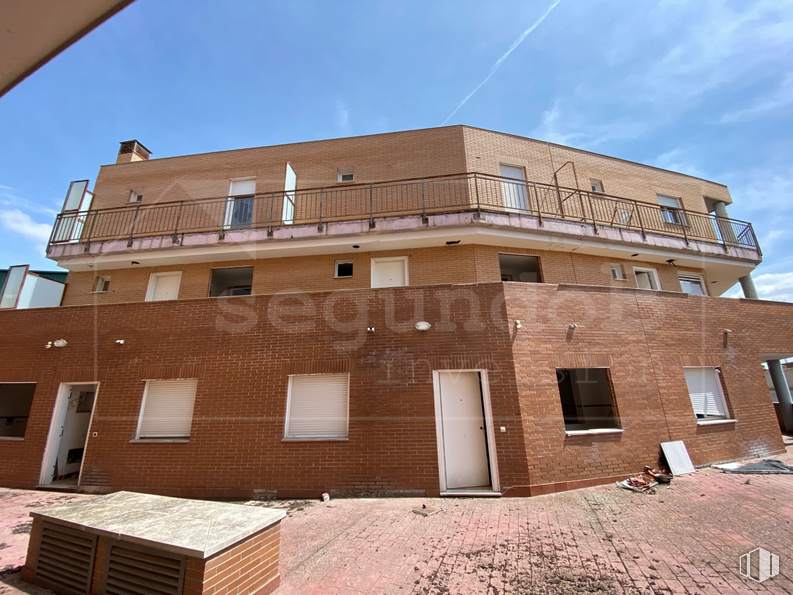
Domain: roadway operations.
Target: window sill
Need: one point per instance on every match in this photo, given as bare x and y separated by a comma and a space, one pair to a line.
715, 422
12, 438
98, 292
315, 439
160, 440
593, 432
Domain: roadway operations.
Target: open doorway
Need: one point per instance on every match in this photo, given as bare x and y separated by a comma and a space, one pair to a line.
71, 420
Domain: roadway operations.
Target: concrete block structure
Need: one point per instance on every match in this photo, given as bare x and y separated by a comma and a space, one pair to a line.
444, 311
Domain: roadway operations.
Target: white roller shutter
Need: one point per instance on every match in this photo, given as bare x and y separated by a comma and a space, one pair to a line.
705, 392
242, 188
318, 406
167, 410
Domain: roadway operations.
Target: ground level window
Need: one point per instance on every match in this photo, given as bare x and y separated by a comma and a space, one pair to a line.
517, 267
317, 406
15, 401
587, 400
231, 281
167, 409
705, 391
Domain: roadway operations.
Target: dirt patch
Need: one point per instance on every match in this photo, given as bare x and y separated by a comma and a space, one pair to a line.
22, 528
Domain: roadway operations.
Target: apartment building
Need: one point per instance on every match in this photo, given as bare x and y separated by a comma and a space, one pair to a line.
443, 311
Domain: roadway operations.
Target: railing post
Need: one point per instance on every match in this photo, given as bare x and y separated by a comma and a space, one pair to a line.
134, 223
272, 207
641, 223
561, 204
319, 227
684, 224
90, 229
176, 226
424, 218
592, 212
537, 197
478, 206
371, 206
228, 204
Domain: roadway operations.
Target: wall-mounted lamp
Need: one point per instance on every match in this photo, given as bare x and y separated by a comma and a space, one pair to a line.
672, 262
573, 325
423, 326
727, 331
60, 343
370, 329
120, 341
517, 324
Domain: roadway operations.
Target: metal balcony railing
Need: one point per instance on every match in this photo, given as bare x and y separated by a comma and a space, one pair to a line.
473, 192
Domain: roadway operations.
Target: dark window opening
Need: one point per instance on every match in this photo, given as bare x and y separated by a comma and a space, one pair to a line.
15, 402
587, 400
516, 267
344, 268
231, 281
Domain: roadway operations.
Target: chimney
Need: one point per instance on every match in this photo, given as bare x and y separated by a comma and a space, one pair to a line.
132, 150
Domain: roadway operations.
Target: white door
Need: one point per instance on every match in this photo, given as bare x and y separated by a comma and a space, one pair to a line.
80, 400
239, 205
514, 192
464, 435
389, 272
290, 183
164, 287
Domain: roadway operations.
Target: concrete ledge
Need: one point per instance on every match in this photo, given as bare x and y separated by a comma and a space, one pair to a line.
716, 422
188, 527
594, 432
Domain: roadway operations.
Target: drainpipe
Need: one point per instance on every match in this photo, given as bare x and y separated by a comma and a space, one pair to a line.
728, 233
782, 392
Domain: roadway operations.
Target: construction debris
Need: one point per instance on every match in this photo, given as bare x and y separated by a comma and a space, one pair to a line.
649, 478
764, 467
426, 510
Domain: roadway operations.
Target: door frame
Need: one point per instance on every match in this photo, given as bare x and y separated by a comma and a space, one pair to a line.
492, 457
58, 413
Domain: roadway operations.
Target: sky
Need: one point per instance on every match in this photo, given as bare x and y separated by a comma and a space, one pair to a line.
704, 87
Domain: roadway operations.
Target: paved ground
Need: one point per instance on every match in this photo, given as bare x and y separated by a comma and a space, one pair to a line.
682, 539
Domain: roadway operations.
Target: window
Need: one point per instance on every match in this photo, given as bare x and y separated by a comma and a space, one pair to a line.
167, 409
705, 391
692, 284
586, 397
231, 281
346, 174
163, 286
646, 279
15, 401
343, 268
15, 277
671, 210
513, 188
390, 272
596, 185
516, 267
617, 273
317, 406
136, 196
102, 284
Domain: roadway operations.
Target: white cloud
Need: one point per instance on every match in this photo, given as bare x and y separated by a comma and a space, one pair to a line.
681, 53
342, 117
775, 286
680, 160
782, 97
21, 223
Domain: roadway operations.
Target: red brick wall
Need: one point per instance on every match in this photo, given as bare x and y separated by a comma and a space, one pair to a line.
242, 350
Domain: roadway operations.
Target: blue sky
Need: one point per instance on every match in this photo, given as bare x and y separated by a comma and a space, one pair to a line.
701, 86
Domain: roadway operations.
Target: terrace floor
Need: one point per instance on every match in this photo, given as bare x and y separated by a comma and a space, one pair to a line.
685, 538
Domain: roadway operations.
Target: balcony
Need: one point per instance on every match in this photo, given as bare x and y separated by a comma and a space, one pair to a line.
463, 199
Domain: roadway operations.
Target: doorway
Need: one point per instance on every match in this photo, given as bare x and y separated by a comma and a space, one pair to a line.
71, 421
464, 425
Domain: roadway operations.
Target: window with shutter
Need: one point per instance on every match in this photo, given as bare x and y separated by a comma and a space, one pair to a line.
704, 389
317, 406
167, 409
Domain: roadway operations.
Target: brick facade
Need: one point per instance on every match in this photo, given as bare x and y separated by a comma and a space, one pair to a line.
243, 349
465, 263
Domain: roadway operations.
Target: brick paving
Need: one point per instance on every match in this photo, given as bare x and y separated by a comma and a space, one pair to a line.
685, 538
